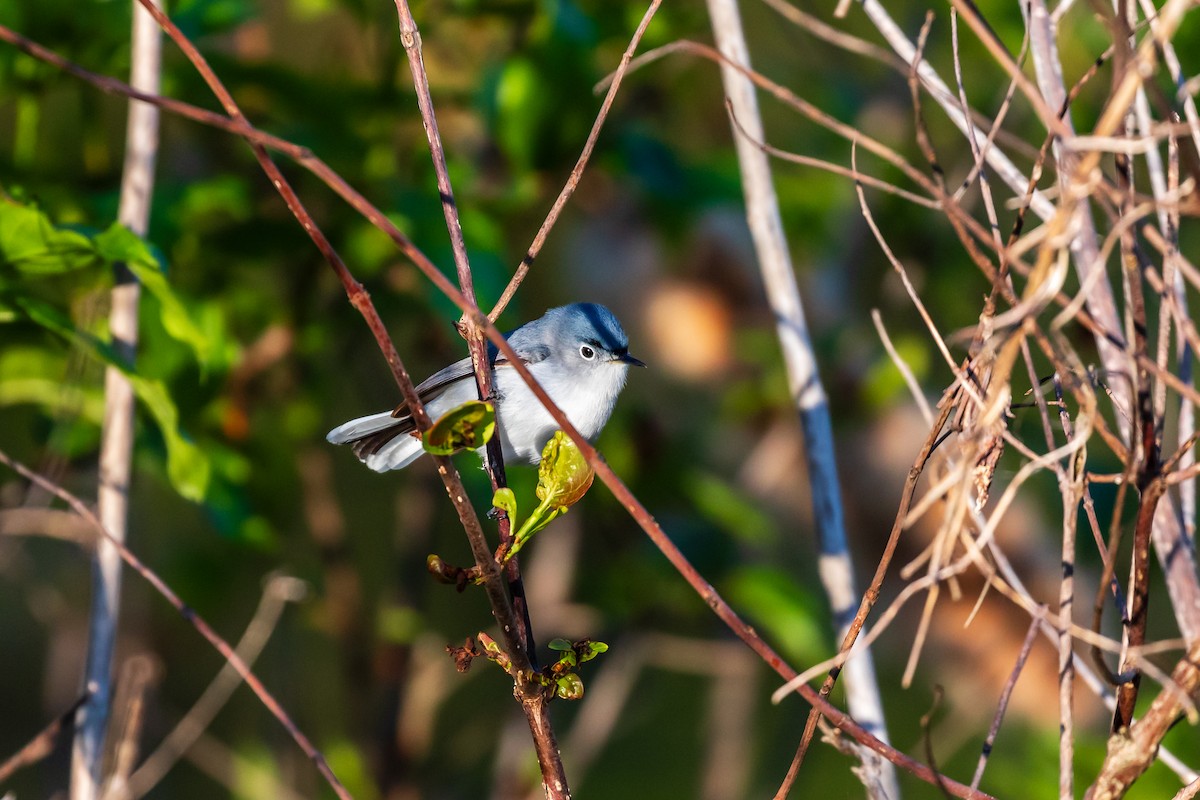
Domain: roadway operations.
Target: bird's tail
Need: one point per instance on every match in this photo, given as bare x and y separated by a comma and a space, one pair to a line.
381, 441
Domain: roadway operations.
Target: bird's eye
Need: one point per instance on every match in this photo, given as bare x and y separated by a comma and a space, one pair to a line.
587, 352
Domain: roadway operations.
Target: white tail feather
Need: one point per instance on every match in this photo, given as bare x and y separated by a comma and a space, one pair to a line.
358, 428
396, 454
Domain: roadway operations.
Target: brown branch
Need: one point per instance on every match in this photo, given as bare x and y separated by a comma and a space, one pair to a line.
846, 41
1139, 590
280, 590
1048, 116
871, 596
533, 700
1132, 750
40, 745
1188, 792
828, 166
1002, 706
410, 39
1147, 455
190, 615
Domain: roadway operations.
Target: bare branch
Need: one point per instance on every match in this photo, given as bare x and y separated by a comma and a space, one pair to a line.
116, 438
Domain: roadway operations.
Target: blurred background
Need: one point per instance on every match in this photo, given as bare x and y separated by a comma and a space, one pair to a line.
706, 437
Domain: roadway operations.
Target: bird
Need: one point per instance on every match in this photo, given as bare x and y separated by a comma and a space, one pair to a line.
579, 353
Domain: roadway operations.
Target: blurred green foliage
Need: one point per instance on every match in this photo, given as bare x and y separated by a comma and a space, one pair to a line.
249, 352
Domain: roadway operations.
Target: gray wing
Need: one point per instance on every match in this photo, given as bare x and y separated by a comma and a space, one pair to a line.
430, 389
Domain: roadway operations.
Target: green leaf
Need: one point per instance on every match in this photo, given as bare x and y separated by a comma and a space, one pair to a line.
466, 427
520, 105
781, 605
34, 245
592, 650
119, 244
57, 322
187, 466
506, 500
33, 375
564, 476
734, 511
560, 644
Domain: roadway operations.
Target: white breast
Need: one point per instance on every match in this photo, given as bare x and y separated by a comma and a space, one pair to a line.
526, 425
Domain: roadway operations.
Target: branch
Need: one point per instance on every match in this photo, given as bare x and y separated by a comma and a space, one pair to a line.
513, 615
577, 171
40, 745
1131, 752
116, 442
493, 580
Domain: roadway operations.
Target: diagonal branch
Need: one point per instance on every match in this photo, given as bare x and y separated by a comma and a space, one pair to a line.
280, 590
1131, 752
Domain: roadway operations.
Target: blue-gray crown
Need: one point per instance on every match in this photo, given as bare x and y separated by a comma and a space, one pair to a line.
591, 323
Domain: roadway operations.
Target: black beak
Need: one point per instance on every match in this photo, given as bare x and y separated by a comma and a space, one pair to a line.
630, 360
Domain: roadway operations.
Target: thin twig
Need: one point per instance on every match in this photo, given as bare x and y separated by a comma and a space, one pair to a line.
1002, 706
40, 745
533, 700
836, 169
494, 583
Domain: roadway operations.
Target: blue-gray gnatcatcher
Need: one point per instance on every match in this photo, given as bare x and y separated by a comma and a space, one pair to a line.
578, 353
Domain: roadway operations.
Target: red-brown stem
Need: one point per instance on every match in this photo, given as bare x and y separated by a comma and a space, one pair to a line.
1132, 751
410, 40
532, 699
871, 596
41, 745
1149, 483
197, 622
